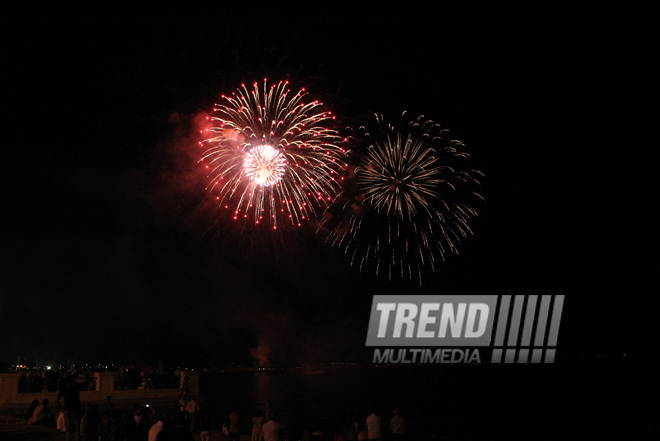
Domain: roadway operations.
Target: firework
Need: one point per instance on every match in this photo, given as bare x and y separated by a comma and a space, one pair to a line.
413, 202
264, 165
271, 156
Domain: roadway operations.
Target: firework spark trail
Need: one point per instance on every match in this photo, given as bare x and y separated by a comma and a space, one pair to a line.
414, 200
271, 155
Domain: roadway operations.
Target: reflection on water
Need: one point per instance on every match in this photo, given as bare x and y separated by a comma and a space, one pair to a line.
262, 387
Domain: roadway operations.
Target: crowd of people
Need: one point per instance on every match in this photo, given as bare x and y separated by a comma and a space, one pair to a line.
146, 377
142, 422
49, 380
372, 428
107, 421
266, 426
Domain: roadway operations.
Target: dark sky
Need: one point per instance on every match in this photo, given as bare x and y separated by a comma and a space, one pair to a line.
110, 253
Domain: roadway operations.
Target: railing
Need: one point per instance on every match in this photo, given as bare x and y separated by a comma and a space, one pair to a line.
51, 382
12, 391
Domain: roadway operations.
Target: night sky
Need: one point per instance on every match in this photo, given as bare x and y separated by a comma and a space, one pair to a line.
111, 252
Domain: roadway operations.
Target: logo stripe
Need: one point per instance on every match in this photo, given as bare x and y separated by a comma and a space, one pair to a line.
515, 320
556, 317
502, 318
529, 321
542, 320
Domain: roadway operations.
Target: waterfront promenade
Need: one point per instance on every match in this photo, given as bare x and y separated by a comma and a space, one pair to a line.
13, 403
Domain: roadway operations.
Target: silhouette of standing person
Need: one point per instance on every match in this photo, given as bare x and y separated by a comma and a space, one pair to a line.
70, 396
374, 425
272, 430
185, 386
257, 422
192, 408
234, 434
204, 424
398, 426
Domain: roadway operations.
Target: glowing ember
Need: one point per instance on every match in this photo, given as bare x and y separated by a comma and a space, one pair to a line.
264, 165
